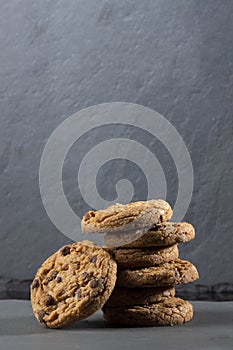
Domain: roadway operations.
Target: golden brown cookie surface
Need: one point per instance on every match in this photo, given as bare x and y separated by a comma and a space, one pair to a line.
127, 217
161, 235
72, 284
175, 272
143, 257
168, 312
139, 296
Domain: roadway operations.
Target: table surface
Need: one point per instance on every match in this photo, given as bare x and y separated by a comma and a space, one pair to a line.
211, 328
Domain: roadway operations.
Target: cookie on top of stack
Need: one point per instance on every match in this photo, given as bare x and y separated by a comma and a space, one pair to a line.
145, 247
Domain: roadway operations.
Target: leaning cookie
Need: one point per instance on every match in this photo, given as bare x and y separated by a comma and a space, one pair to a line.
72, 284
174, 272
139, 296
160, 235
169, 312
143, 257
132, 216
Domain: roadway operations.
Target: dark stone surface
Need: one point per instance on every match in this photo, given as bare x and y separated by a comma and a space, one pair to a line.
211, 328
58, 57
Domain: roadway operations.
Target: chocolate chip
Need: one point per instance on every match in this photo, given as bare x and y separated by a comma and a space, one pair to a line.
49, 301
59, 279
93, 259
41, 314
89, 215
65, 250
79, 293
86, 275
52, 276
35, 283
94, 284
113, 255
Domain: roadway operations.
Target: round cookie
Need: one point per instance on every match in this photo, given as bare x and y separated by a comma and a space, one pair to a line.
138, 258
161, 235
128, 217
174, 272
139, 296
169, 312
72, 284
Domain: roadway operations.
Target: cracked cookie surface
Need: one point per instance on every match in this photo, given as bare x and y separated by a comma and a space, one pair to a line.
160, 235
143, 257
169, 312
138, 296
127, 217
174, 272
72, 284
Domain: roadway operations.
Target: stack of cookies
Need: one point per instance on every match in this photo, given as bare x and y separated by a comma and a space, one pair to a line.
145, 247
132, 278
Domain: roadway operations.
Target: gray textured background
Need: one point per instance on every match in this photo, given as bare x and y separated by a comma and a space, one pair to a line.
57, 57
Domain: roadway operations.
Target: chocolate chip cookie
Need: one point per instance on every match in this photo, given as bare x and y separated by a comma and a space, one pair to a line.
160, 235
132, 216
168, 312
175, 272
144, 257
139, 296
72, 284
